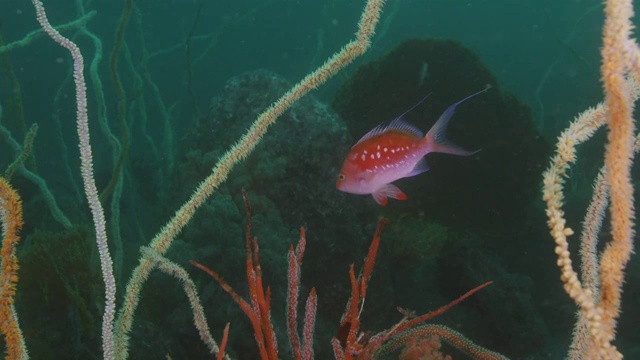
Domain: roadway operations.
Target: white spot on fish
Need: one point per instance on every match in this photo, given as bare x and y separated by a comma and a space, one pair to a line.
378, 154
385, 149
378, 147
393, 151
365, 152
372, 156
362, 157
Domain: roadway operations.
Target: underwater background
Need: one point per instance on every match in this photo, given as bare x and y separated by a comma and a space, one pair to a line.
173, 84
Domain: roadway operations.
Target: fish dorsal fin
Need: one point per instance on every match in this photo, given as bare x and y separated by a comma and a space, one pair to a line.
399, 124
396, 125
413, 107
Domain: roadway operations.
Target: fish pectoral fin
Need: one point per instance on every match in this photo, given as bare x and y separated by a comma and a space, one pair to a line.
421, 166
380, 197
388, 191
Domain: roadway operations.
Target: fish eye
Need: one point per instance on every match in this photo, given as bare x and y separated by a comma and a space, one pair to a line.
341, 177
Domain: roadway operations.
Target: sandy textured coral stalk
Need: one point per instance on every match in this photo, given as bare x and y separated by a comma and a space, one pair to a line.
618, 160
599, 312
90, 188
199, 319
238, 152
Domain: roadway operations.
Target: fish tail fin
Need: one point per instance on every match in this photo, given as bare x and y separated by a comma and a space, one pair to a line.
436, 139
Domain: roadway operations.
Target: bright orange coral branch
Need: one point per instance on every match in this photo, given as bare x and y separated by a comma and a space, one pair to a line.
223, 344
244, 305
258, 310
11, 218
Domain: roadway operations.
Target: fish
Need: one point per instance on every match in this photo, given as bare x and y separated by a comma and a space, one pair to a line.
395, 150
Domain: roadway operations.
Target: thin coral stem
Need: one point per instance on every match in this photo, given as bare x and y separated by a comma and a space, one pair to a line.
292, 304
351, 318
244, 305
420, 319
310, 310
450, 336
223, 344
371, 258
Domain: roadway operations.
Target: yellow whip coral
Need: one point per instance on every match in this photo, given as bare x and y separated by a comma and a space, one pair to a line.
11, 219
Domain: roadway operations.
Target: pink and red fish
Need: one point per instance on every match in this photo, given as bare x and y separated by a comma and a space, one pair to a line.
393, 151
